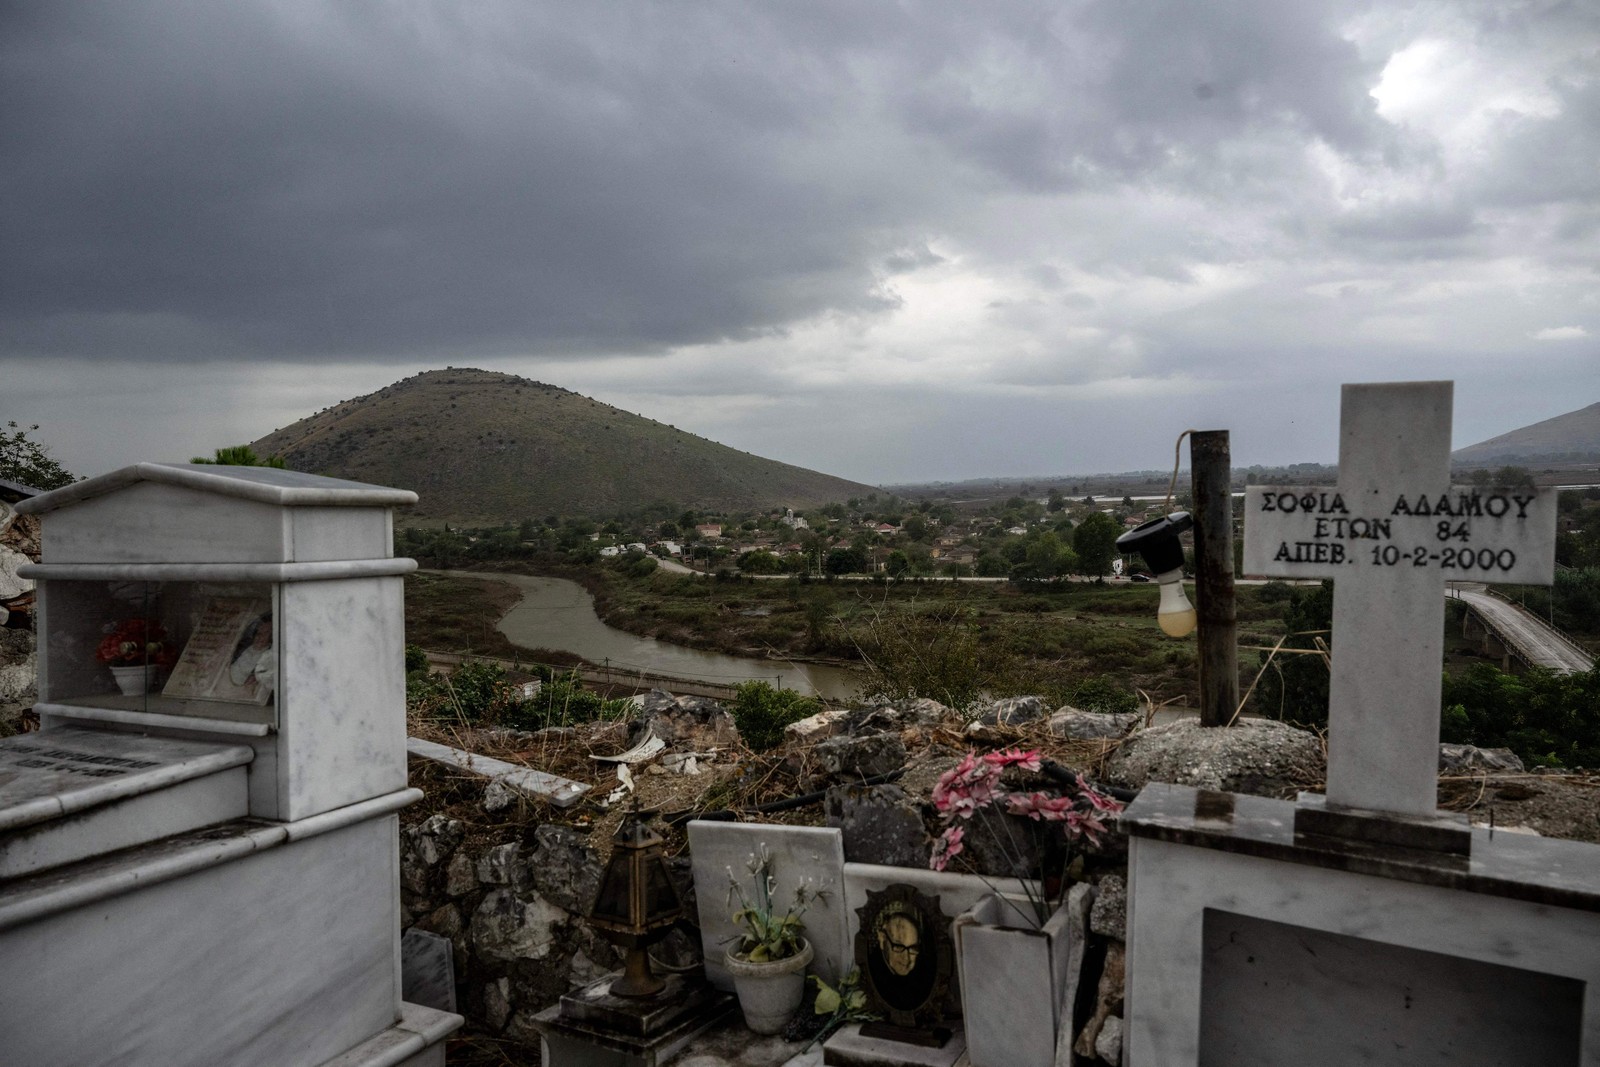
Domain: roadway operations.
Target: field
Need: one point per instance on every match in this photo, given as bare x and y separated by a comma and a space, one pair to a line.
1046, 639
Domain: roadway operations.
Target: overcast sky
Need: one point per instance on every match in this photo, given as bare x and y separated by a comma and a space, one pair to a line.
892, 242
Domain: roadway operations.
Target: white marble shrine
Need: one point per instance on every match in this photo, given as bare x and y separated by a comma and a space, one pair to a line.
199, 863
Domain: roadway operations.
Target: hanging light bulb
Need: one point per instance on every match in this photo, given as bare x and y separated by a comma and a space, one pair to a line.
1175, 614
1157, 541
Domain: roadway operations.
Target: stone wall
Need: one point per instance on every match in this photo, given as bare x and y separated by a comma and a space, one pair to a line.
511, 899
19, 544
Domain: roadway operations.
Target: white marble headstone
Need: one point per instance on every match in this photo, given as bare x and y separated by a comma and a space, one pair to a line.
798, 853
1391, 533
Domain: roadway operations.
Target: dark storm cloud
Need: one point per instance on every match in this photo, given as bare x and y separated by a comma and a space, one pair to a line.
375, 180
900, 221
195, 180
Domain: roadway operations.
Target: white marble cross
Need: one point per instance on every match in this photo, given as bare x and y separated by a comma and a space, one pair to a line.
1391, 534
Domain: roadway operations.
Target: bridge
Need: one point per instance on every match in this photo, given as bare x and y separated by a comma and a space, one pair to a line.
1517, 634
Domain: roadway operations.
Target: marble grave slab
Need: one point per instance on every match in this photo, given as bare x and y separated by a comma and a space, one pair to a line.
812, 853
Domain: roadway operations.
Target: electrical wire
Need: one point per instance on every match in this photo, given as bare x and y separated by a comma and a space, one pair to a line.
1177, 461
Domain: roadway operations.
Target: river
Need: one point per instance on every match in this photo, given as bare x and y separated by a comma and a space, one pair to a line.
559, 614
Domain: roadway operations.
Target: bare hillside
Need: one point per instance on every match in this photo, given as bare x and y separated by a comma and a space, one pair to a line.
482, 447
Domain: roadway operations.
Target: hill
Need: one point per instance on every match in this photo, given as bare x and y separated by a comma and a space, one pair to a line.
1575, 435
481, 447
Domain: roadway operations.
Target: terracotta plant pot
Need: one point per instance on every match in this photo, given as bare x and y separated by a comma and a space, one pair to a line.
769, 993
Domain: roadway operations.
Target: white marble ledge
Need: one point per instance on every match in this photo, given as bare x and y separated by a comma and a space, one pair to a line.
1539, 870
562, 792
52, 773
268, 485
78, 884
316, 571
235, 727
419, 1028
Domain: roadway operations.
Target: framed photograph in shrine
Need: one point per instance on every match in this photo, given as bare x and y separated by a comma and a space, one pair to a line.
904, 951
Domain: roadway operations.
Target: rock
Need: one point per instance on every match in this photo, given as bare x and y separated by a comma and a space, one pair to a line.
508, 927
862, 757
413, 875
1006, 846
605, 734
1091, 725
445, 921
1260, 756
11, 583
584, 970
1108, 1001
1110, 915
460, 878
498, 796
565, 869
879, 825
521, 1029
1013, 711
19, 677
497, 1003
436, 838
1470, 759
689, 722
816, 727
504, 865
898, 715
1108, 1046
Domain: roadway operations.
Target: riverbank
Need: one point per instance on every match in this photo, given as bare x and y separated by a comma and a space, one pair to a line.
1047, 638
549, 614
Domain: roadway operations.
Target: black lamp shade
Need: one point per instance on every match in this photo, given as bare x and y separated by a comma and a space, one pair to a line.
1157, 541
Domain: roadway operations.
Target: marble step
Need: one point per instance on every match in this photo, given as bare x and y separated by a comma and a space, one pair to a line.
70, 793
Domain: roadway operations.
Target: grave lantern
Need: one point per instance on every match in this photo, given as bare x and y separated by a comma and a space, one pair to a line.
1157, 541
637, 904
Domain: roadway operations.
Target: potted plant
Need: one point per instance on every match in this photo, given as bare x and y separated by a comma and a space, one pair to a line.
768, 956
136, 650
1025, 944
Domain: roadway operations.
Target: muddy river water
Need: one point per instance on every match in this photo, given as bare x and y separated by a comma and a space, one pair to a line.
559, 614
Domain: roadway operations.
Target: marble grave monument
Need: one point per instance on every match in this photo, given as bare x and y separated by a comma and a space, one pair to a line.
204, 869
1365, 926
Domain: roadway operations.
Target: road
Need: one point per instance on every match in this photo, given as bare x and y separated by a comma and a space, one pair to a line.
1543, 646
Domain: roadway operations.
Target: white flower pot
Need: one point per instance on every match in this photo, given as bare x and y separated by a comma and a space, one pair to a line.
135, 679
769, 993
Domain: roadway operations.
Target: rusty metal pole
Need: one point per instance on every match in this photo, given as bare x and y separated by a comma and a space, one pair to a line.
1211, 467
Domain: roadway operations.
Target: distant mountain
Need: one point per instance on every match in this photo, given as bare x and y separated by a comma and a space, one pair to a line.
1575, 435
483, 447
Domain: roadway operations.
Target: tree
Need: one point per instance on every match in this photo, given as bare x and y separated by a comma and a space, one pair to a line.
242, 456
1095, 541
1514, 477
760, 562
847, 561
27, 462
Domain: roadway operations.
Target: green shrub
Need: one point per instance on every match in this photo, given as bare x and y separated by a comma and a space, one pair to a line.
761, 712
1275, 592
1544, 717
475, 692
562, 701
1104, 695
